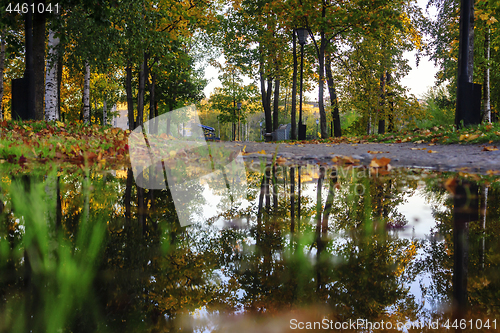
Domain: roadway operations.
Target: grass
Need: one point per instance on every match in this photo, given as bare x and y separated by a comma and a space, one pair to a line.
38, 142
445, 134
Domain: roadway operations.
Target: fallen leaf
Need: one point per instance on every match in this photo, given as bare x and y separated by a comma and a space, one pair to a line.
431, 151
344, 160
377, 152
281, 160
379, 162
490, 148
450, 184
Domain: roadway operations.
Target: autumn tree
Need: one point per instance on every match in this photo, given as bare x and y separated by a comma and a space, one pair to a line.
227, 98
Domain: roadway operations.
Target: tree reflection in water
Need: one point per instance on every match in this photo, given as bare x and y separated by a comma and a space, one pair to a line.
88, 252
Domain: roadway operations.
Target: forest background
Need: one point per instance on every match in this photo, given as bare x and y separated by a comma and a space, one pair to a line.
91, 55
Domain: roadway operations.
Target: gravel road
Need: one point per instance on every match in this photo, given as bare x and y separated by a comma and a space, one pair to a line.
472, 158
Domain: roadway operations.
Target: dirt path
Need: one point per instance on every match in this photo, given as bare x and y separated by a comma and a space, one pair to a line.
440, 157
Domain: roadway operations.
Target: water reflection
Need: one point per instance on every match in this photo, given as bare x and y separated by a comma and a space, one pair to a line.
94, 252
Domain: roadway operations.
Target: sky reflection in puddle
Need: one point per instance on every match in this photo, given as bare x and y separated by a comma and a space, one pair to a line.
361, 246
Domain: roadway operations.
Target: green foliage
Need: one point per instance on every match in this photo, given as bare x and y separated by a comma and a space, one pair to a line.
439, 108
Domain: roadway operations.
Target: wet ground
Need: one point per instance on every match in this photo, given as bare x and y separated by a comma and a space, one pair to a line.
94, 252
473, 158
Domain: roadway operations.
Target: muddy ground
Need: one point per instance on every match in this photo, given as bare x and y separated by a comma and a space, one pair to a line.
455, 157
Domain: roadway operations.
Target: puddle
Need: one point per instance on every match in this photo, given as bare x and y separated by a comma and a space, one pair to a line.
308, 245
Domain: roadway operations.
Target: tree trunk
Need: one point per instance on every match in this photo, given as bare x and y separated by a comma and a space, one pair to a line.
292, 200
39, 58
381, 113
140, 93
29, 75
486, 86
470, 63
51, 83
390, 96
321, 74
265, 100
104, 113
152, 102
276, 103
465, 59
86, 94
337, 131
127, 198
130, 98
59, 82
2, 63
294, 88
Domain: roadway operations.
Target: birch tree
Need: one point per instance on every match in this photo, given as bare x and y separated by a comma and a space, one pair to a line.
51, 82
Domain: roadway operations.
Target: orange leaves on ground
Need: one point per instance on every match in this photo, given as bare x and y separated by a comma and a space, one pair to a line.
380, 165
281, 160
490, 148
376, 152
39, 141
380, 162
342, 160
468, 137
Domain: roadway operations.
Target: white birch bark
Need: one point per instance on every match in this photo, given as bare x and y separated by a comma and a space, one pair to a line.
86, 95
113, 110
51, 91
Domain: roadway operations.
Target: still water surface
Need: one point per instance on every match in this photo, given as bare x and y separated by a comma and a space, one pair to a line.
93, 252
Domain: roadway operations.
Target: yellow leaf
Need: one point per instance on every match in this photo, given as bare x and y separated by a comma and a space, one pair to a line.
60, 123
492, 20
490, 148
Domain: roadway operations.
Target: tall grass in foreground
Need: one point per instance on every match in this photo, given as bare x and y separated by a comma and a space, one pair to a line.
46, 277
